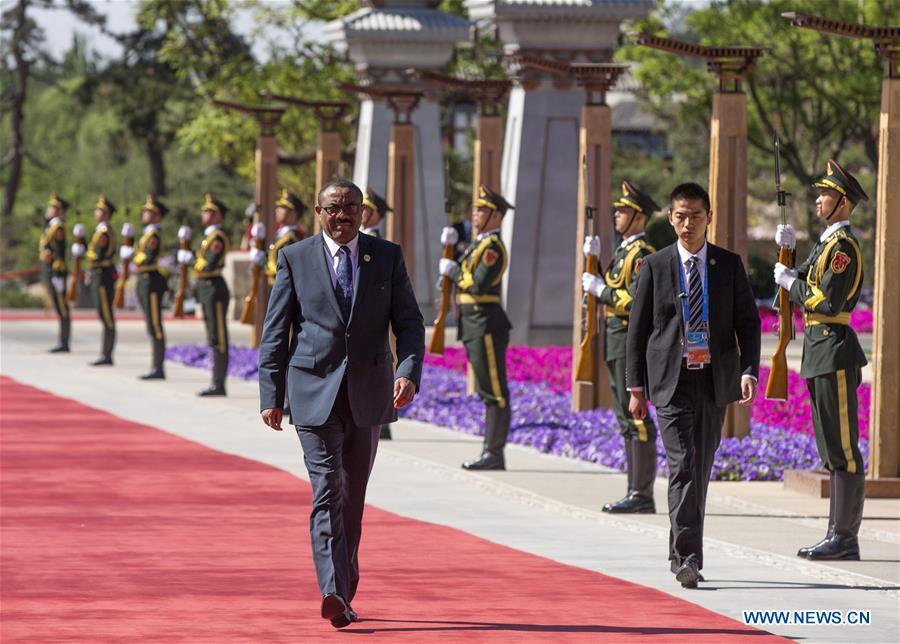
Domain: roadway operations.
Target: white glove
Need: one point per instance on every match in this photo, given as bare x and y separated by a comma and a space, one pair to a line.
591, 246
257, 256
184, 233
449, 236
258, 230
785, 237
185, 256
127, 230
59, 284
58, 220
447, 267
785, 276
78, 230
77, 250
592, 284
126, 252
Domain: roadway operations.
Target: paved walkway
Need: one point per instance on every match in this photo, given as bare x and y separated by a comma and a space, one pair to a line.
543, 505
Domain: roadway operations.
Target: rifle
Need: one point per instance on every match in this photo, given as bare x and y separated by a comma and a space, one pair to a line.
440, 323
184, 243
586, 365
248, 313
776, 387
78, 234
127, 242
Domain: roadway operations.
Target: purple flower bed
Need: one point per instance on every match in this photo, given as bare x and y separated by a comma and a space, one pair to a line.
781, 433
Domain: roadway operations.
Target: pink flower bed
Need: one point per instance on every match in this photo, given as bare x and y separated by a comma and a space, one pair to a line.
552, 366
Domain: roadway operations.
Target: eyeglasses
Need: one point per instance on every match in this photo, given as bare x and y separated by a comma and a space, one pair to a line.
349, 208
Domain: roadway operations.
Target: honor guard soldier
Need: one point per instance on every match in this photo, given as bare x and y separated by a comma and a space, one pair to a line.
152, 282
288, 210
616, 289
212, 291
374, 210
52, 253
827, 287
101, 257
483, 325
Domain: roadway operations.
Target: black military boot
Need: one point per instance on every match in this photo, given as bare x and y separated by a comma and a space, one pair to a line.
219, 371
629, 474
850, 492
65, 326
109, 341
385, 434
804, 552
159, 355
640, 500
496, 423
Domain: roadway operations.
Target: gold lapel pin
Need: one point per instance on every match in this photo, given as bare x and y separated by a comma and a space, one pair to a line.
367, 258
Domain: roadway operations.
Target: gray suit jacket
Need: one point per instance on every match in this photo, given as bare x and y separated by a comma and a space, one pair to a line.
655, 341
324, 346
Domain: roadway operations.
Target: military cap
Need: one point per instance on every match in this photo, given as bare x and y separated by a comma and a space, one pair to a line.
634, 198
839, 179
289, 200
105, 204
489, 199
153, 204
376, 203
57, 201
214, 204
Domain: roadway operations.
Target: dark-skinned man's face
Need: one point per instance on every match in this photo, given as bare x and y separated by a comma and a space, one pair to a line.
340, 214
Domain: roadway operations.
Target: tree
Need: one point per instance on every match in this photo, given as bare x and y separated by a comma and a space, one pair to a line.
819, 93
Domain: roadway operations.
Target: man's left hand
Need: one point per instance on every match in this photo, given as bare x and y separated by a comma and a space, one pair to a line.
748, 391
404, 392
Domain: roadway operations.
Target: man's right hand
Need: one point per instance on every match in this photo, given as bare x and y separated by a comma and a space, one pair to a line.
638, 405
272, 418
449, 236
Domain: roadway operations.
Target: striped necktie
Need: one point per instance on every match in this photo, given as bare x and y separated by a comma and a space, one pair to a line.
695, 299
344, 289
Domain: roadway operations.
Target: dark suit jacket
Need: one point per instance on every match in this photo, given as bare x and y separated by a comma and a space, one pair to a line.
654, 347
324, 345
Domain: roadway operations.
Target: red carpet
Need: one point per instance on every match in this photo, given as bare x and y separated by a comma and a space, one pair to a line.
115, 531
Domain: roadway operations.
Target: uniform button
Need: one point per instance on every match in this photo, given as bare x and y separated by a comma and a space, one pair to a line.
348, 334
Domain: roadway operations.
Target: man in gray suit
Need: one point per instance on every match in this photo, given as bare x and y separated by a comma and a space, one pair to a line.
325, 347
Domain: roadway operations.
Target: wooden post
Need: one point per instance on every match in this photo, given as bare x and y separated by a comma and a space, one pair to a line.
594, 144
884, 421
266, 190
401, 222
488, 152
328, 160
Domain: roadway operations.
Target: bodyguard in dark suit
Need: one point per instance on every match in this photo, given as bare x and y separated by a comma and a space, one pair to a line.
695, 321
339, 292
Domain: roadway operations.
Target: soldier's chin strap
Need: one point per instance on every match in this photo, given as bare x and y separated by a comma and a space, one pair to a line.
834, 210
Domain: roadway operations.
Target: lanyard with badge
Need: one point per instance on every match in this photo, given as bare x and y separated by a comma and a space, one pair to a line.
696, 339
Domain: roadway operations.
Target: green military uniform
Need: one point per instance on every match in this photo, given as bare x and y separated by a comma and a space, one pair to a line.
213, 294
484, 327
152, 286
827, 288
374, 201
52, 255
284, 236
101, 256
621, 281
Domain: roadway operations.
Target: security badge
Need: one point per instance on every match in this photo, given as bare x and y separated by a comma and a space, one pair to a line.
698, 355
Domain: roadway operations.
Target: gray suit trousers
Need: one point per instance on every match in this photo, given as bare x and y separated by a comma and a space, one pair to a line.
339, 458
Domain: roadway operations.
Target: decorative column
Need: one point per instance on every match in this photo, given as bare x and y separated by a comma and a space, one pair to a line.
727, 161
539, 168
328, 144
385, 39
401, 220
266, 190
884, 420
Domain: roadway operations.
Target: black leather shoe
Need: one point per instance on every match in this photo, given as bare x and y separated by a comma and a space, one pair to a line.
804, 551
688, 574
631, 504
352, 614
156, 374
60, 348
212, 391
385, 434
336, 611
486, 461
102, 362
836, 549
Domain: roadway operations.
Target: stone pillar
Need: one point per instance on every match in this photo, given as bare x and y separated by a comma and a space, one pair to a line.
266, 191
540, 168
488, 152
401, 222
884, 422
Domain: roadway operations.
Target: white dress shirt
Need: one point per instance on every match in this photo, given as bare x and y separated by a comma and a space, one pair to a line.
332, 253
833, 228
